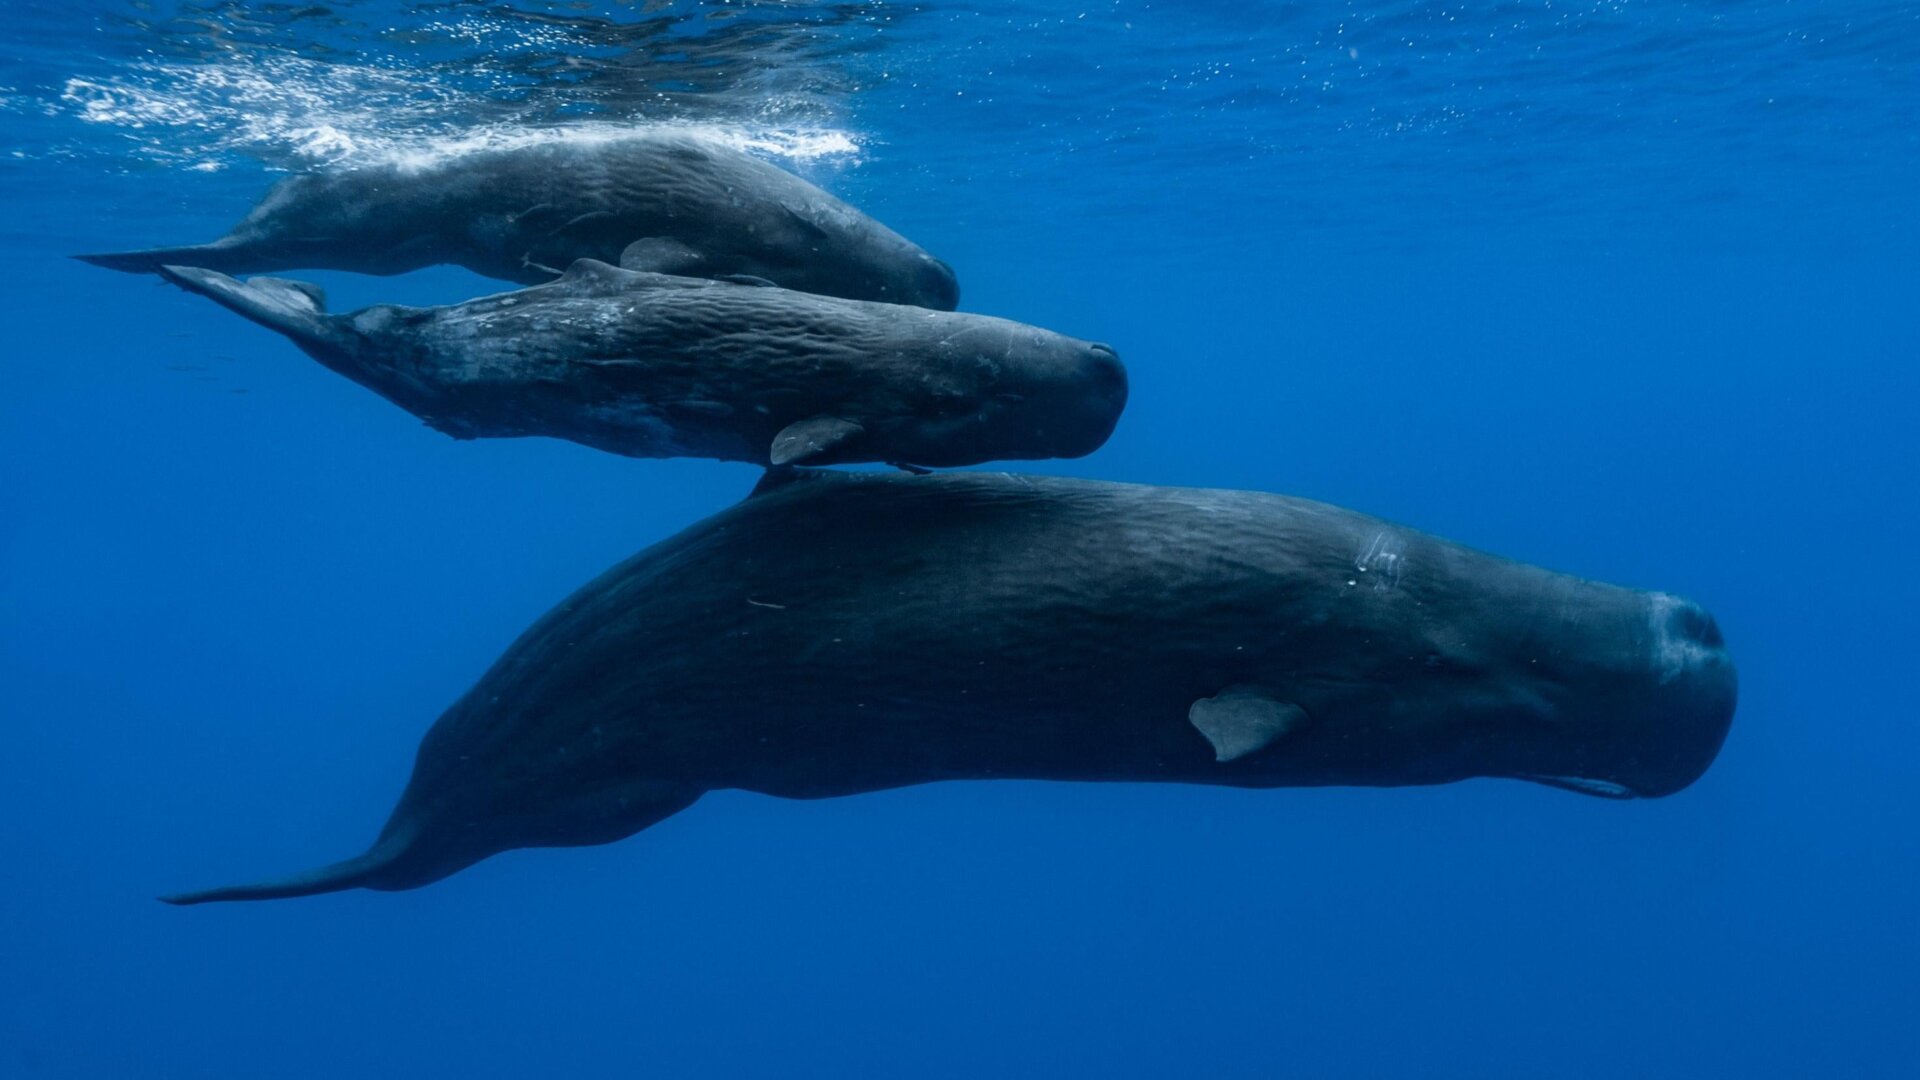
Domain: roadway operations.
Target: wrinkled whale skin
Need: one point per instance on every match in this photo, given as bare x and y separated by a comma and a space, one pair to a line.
655, 365
839, 633
671, 202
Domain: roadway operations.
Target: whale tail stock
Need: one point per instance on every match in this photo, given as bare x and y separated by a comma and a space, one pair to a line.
294, 308
411, 852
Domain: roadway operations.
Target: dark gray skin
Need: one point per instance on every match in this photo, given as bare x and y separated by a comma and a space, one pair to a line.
840, 633
664, 202
651, 365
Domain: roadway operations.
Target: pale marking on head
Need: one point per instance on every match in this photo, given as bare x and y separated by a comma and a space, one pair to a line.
1673, 655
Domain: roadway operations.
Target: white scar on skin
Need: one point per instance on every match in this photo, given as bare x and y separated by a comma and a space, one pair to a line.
1383, 560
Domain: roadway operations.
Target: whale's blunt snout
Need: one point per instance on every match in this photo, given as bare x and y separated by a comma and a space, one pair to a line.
938, 289
1106, 379
1102, 395
1693, 697
1105, 369
1649, 718
1687, 623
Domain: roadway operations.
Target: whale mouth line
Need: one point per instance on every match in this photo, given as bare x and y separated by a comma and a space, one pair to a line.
1606, 789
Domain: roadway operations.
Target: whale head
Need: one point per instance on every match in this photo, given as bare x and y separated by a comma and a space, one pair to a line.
1641, 714
835, 250
1456, 664
1013, 392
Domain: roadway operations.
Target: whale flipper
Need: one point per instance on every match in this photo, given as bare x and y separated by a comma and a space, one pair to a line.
662, 255
294, 308
1243, 719
805, 440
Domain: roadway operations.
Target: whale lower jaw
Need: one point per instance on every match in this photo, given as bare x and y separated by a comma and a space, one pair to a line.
1605, 789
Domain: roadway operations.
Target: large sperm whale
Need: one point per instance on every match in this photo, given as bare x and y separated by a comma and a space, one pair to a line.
839, 633
652, 365
662, 201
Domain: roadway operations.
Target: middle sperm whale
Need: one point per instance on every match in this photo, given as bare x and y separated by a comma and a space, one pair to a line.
652, 365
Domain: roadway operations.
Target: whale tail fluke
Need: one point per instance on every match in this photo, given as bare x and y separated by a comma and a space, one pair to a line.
411, 852
361, 871
294, 308
218, 255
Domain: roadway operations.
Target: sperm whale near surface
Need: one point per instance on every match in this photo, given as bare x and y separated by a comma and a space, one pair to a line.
664, 201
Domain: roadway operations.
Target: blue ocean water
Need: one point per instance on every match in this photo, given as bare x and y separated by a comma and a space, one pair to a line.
1627, 289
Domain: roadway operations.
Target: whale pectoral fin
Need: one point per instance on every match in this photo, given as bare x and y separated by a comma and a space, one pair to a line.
1243, 719
662, 255
806, 440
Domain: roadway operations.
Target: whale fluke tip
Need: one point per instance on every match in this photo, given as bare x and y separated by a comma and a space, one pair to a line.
295, 308
262, 891
133, 262
301, 885
357, 872
194, 278
150, 260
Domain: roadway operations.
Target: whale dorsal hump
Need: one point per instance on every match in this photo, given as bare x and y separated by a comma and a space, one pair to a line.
590, 270
1243, 719
807, 440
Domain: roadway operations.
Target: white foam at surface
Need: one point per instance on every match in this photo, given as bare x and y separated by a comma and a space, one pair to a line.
299, 113
793, 143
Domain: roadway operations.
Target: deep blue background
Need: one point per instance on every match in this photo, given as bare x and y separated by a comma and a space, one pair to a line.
1628, 291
